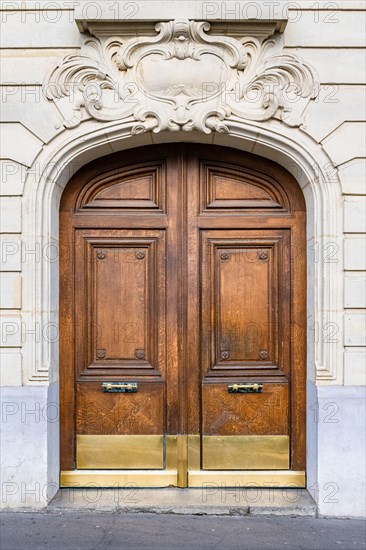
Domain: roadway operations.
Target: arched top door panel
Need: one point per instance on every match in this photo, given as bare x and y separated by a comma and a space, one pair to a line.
231, 182
129, 188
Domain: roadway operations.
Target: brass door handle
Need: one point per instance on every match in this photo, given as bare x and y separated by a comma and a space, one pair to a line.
119, 387
245, 388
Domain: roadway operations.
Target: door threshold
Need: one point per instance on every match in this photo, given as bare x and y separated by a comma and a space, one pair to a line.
118, 478
247, 478
196, 478
212, 500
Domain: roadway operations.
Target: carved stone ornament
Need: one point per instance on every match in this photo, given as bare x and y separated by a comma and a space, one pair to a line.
183, 78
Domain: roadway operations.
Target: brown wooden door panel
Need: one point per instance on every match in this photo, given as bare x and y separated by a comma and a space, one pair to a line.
230, 189
141, 413
130, 188
265, 413
120, 297
245, 302
122, 312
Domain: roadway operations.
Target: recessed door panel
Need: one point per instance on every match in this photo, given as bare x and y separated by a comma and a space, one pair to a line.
245, 301
122, 311
134, 188
232, 189
114, 413
244, 305
121, 326
263, 413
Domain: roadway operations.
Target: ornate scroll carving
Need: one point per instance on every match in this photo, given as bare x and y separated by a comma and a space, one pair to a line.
183, 78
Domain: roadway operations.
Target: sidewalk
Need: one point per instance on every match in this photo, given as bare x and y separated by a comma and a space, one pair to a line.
115, 530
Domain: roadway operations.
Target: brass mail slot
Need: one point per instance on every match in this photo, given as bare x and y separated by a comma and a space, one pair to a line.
245, 388
119, 387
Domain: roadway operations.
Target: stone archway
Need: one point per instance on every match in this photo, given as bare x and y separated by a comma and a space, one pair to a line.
54, 167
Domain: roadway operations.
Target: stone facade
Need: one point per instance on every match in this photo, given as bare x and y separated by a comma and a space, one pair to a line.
73, 90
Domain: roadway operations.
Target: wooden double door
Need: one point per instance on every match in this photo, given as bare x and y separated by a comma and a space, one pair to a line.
182, 314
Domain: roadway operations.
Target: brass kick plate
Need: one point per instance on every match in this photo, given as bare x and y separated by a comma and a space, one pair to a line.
120, 451
246, 452
139, 460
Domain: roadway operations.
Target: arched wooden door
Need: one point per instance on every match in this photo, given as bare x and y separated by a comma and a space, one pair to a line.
183, 320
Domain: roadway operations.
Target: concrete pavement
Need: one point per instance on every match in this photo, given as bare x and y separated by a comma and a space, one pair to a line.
114, 530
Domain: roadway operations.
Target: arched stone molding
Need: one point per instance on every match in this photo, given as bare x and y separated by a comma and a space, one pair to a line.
291, 148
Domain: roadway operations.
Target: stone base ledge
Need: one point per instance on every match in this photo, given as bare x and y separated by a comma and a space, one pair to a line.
205, 501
